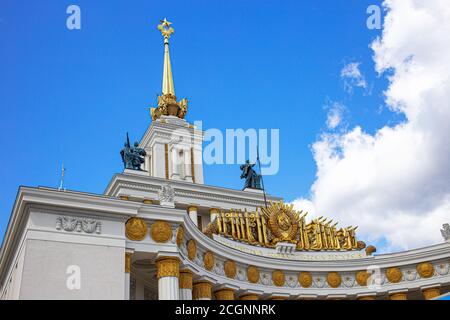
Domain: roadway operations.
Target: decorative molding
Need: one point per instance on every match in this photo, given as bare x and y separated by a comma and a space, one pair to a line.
78, 224
166, 196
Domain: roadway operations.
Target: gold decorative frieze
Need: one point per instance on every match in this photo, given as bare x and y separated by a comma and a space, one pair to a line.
394, 275
161, 231
167, 267
191, 249
425, 270
230, 269
180, 236
135, 229
305, 279
281, 223
253, 274
278, 278
334, 279
208, 260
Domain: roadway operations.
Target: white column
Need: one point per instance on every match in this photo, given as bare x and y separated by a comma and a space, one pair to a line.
168, 288
193, 214
127, 274
168, 274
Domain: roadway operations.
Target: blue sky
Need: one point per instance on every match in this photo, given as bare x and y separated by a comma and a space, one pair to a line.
70, 96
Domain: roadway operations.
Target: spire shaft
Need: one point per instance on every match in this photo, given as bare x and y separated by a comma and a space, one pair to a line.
167, 83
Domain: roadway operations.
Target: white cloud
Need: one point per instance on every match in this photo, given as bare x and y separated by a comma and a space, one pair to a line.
335, 114
352, 77
395, 184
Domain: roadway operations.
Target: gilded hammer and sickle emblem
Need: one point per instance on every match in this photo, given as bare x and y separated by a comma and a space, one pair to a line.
283, 221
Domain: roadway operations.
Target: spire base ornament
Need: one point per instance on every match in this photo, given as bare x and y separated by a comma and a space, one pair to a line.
168, 106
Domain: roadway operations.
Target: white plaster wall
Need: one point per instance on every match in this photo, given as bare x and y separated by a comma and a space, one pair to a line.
46, 262
11, 289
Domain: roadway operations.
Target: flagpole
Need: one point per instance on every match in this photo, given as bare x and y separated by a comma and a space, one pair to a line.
61, 184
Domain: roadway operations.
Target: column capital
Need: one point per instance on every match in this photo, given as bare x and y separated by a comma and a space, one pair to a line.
202, 290
398, 296
431, 293
168, 267
249, 296
192, 208
366, 298
224, 294
336, 297
186, 279
214, 210
278, 296
307, 297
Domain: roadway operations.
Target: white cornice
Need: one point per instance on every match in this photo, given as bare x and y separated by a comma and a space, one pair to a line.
193, 191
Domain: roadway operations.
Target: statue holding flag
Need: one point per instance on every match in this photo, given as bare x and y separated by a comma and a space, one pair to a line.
132, 157
252, 179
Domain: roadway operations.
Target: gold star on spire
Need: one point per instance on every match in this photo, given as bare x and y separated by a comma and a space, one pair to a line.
166, 29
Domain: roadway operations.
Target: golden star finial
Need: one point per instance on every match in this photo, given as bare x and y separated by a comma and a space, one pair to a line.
165, 28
